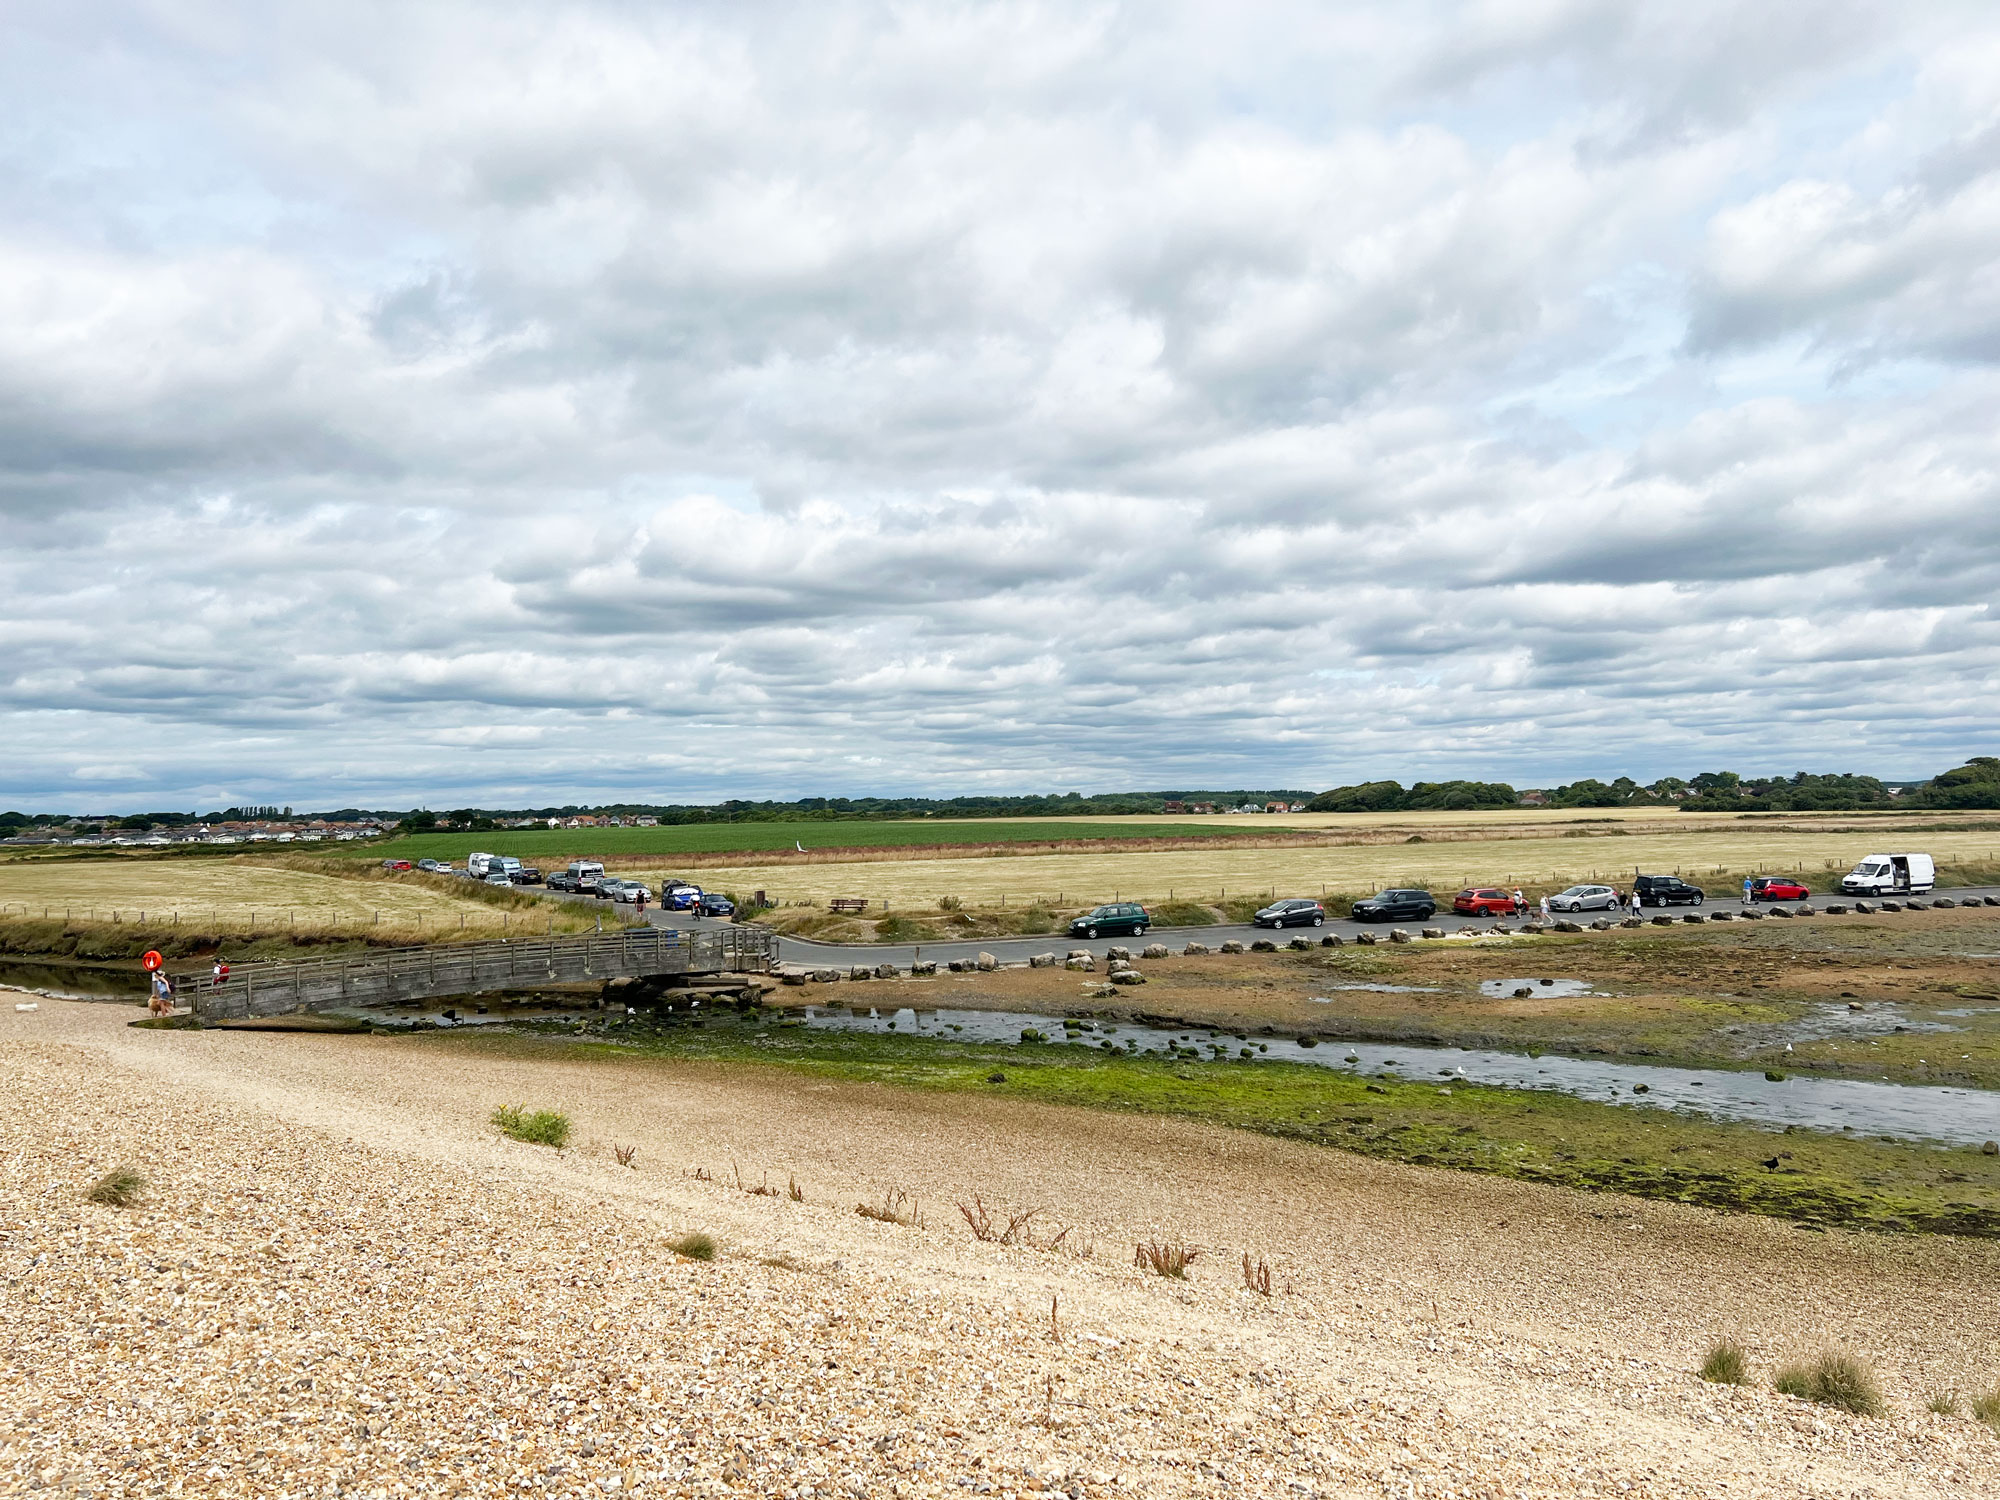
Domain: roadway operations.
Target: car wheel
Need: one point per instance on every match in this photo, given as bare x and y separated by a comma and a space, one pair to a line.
1698, 900
1139, 931
1090, 932
1319, 921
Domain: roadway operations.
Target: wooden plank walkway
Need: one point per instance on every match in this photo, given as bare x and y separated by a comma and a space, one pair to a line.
440, 970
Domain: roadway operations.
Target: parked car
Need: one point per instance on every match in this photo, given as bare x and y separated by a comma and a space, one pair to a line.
395, 864
1585, 898
526, 875
1394, 906
1106, 921
1295, 912
1777, 888
680, 897
498, 877
1667, 890
1890, 875
715, 904
629, 890
562, 880
1485, 901
425, 864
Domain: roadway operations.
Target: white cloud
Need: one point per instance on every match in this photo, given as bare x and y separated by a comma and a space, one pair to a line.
409, 401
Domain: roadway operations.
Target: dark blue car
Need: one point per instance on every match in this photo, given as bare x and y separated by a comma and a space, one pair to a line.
715, 904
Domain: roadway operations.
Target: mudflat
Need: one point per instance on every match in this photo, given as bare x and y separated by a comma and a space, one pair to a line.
341, 1274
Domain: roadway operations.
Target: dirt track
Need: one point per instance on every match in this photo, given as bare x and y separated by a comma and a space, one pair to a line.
478, 1316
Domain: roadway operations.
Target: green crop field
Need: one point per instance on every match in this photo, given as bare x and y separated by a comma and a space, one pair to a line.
534, 844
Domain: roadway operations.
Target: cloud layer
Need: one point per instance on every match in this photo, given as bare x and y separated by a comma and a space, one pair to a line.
512, 403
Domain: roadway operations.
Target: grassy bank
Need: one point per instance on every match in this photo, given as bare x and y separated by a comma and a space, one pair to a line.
1818, 1181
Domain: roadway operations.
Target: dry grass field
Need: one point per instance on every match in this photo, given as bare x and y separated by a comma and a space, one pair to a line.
251, 894
1715, 855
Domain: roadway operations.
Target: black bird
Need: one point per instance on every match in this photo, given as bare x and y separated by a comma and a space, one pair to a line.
1771, 1165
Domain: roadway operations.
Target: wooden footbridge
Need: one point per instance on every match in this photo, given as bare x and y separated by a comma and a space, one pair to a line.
400, 976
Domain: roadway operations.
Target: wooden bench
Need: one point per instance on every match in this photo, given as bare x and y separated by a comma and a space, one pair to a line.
848, 904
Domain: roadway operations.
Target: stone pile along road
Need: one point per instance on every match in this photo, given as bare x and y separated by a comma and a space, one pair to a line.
342, 1280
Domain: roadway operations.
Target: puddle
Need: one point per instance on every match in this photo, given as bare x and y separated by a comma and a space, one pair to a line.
1903, 1111
1825, 1021
1498, 989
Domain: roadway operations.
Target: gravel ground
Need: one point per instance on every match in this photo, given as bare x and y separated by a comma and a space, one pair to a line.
342, 1281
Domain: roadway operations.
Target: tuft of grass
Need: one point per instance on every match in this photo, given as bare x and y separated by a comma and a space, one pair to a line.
696, 1246
1019, 1229
540, 1127
1833, 1377
1987, 1408
626, 1155
1942, 1402
794, 1192
1164, 1257
896, 1207
1727, 1363
121, 1187
1256, 1277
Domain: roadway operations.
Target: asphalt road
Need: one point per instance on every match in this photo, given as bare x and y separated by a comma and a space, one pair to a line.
802, 951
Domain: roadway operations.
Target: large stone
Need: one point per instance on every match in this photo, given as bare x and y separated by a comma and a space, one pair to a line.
1633, 922
1117, 952
1300, 944
1663, 921
1568, 926
1084, 964
1433, 932
885, 971
1397, 935
1804, 911
1917, 905
826, 976
1864, 908
1602, 924
1944, 901
1155, 950
1127, 975
1783, 913
860, 971
791, 976
1232, 946
988, 963
1722, 916
1367, 939
1836, 910
1890, 906
1263, 945
1042, 961
1192, 950
1751, 915
926, 966
1332, 940
1693, 916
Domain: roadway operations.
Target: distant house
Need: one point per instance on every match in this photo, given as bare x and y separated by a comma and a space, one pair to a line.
1534, 799
1276, 807
1205, 808
645, 822
1173, 807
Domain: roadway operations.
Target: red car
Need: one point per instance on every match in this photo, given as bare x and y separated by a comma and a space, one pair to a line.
396, 864
1777, 888
1484, 901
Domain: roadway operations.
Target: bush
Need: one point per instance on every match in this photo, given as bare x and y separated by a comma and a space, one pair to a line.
696, 1246
949, 903
1164, 1258
121, 1187
1726, 1364
542, 1127
1833, 1377
1183, 914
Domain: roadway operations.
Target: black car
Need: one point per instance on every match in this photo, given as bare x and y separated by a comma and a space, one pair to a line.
526, 875
1667, 890
715, 904
1118, 917
1297, 912
562, 881
1395, 906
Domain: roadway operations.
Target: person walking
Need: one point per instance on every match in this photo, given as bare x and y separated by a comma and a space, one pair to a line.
1748, 891
1545, 908
221, 972
162, 1001
1520, 902
1635, 902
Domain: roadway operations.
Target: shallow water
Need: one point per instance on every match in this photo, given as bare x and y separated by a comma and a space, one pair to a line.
85, 981
1497, 989
1899, 1110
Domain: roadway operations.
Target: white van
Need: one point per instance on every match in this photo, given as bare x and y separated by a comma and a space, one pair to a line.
1890, 875
479, 866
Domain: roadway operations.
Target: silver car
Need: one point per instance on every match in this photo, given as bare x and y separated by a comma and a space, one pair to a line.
1585, 898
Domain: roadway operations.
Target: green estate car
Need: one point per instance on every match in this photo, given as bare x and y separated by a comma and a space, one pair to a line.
1107, 921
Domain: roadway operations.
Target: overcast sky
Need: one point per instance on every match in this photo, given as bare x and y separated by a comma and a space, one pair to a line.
424, 402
